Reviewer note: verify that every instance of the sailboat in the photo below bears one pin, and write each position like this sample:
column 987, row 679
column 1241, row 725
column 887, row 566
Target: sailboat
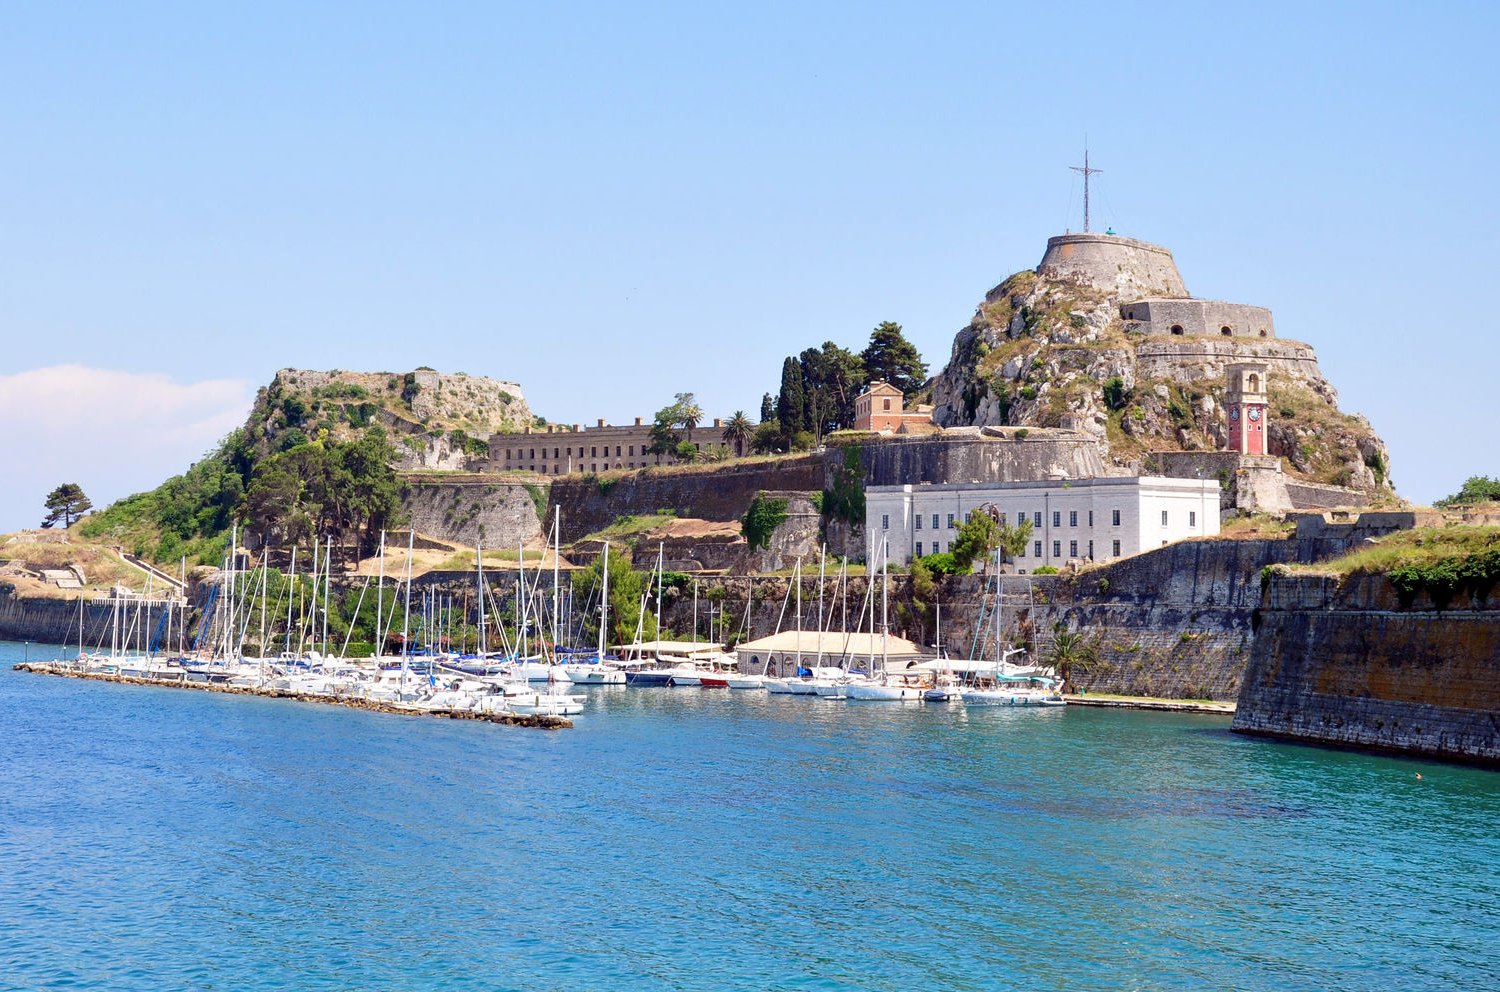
column 889, row 687
column 596, row 672
column 1012, row 684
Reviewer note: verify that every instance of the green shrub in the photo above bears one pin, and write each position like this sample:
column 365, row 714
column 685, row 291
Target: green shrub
column 762, row 519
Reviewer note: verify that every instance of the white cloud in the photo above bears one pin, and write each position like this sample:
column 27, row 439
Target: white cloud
column 112, row 432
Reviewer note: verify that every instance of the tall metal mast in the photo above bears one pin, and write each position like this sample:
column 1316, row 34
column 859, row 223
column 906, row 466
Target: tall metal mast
column 1084, row 168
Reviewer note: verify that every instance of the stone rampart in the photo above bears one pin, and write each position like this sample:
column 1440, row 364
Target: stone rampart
column 1185, row 360
column 1327, row 535
column 1197, row 318
column 1125, row 267
column 1344, row 663
column 721, row 492
column 55, row 621
column 971, row 455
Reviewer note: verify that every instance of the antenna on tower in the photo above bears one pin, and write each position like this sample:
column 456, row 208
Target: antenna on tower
column 1084, row 168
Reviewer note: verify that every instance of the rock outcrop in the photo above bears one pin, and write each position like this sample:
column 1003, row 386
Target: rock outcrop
column 1054, row 347
column 438, row 420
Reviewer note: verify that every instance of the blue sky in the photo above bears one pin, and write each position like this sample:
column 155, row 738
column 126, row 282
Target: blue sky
column 611, row 204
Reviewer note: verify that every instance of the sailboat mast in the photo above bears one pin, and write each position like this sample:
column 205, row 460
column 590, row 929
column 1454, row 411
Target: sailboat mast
column 604, row 604
column 291, row 587
column 327, row 591
column 661, row 550
column 479, row 586
column 556, row 574
column 406, row 616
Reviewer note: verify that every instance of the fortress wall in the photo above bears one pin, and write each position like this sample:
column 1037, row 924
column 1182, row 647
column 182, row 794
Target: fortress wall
column 55, row 621
column 1344, row 663
column 895, row 461
column 1124, row 266
column 1205, row 358
column 719, row 492
column 1175, row 622
column 1198, row 317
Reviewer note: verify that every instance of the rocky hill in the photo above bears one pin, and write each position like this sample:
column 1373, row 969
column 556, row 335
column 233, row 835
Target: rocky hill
column 437, row 420
column 1053, row 347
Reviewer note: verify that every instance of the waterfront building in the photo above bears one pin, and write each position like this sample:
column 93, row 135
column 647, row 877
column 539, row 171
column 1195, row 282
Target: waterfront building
column 560, row 450
column 785, row 652
column 1097, row 519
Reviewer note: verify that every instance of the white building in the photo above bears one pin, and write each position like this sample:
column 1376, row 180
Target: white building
column 1084, row 519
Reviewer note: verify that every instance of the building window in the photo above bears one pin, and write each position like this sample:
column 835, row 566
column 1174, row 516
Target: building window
column 1164, row 518
column 594, row 451
column 951, row 525
column 1192, row 518
column 1036, row 549
column 1036, row 520
column 533, row 452
column 1176, row 328
column 1072, row 549
column 1115, row 518
column 1057, row 549
column 1057, row 518
column 617, row 451
column 1116, row 551
column 1225, row 330
column 1091, row 518
column 919, row 521
column 885, row 521
column 632, row 451
column 885, row 405
column 1091, row 551
column 570, row 452
column 919, row 549
column 934, row 521
column 507, row 454
column 1072, row 518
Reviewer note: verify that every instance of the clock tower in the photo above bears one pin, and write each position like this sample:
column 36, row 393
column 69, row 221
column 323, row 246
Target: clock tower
column 1245, row 398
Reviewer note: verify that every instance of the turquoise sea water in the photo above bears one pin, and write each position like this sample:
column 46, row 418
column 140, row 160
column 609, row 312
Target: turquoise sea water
column 697, row 839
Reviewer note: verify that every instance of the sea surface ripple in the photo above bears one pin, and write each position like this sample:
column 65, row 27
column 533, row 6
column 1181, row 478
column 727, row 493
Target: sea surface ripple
column 700, row 839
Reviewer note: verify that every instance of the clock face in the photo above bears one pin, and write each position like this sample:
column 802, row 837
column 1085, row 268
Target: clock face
column 1254, row 413
column 1234, row 413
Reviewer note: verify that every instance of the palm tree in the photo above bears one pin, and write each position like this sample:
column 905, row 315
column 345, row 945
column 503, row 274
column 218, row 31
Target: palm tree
column 738, row 432
column 1072, row 650
column 688, row 412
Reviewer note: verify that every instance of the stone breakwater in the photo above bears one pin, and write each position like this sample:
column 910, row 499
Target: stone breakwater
column 1347, row 663
column 541, row 722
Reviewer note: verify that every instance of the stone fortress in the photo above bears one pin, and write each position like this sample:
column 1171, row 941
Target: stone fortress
column 1197, row 377
column 1155, row 300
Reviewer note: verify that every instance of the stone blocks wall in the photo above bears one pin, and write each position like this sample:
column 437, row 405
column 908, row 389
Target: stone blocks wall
column 1345, row 663
column 1197, row 318
column 1186, row 360
column 1128, row 268
column 720, row 492
column 972, row 456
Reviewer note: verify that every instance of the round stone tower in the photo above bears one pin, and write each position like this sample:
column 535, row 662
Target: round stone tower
column 1125, row 268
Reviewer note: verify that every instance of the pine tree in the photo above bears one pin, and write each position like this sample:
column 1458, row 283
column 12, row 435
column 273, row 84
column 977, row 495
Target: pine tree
column 66, row 503
column 893, row 358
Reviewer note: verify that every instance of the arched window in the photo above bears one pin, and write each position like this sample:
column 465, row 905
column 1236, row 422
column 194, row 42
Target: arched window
column 1254, row 383
column 1262, row 332
column 1225, row 330
column 1177, row 329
